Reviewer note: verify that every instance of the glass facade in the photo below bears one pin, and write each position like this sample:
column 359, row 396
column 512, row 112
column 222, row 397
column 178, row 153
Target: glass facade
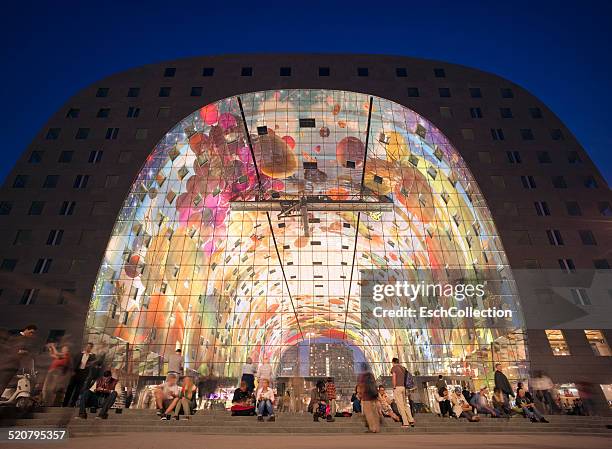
column 249, row 224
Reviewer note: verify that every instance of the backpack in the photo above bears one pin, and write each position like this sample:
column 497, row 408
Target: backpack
column 408, row 380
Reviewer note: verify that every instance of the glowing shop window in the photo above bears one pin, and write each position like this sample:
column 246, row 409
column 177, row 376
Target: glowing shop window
column 598, row 342
column 557, row 342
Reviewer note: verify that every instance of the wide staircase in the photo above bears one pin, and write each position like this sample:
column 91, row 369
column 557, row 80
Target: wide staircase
column 220, row 422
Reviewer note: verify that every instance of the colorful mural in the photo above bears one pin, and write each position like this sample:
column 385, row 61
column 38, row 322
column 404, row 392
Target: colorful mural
column 193, row 260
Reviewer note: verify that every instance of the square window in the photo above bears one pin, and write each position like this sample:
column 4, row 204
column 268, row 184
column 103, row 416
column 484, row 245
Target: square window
column 484, row 157
column 362, row 71
column 65, row 157
column 196, row 91
column 36, row 208
column 285, row 71
column 133, row 112
column 544, row 157
column 103, row 113
column 589, row 182
column 559, row 182
column 324, row 71
column 102, row 92
column 73, row 113
column 125, row 157
column 53, row 133
column 601, row 264
column 574, row 158
column 82, row 133
column 133, row 92
column 307, row 123
column 35, row 157
column 141, row 133
column 556, row 134
column 535, row 112
column 439, row 73
column 557, row 342
column 165, row 91
column 6, row 207
column 506, row 93
column 505, row 112
column 50, row 181
column 246, row 71
column 587, row 237
column 446, row 112
column 573, row 208
column 8, row 265
column 208, row 71
column 497, row 134
column 467, row 134
column 526, row 134
column 413, row 92
column 444, row 92
column 475, row 112
column 111, row 133
column 475, row 92
column 95, row 156
column 401, row 72
column 163, row 112
column 20, row 181
column 169, row 72
column 605, row 209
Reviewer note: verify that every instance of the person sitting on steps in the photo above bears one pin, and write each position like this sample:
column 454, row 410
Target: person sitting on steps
column 166, row 396
column 102, row 394
column 186, row 399
column 527, row 407
column 242, row 402
column 265, row 401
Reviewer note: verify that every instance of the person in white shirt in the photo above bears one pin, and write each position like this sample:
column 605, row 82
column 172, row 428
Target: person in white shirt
column 265, row 400
column 167, row 395
column 175, row 362
column 264, row 371
column 82, row 364
column 249, row 369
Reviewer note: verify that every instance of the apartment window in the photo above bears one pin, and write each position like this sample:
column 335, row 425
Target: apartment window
column 35, row 157
column 484, row 157
column 23, row 237
column 531, row 264
column 497, row 134
column 522, row 237
column 528, row 182
column 133, row 112
column 362, row 71
column 73, row 113
column 567, row 265
column 103, row 113
column 95, row 156
column 514, row 157
column 324, row 71
column 111, row 181
column 475, row 92
column 208, row 71
column 601, row 264
column 6, row 207
column 475, row 112
column 590, row 183
column 53, row 133
column 8, row 265
column 439, row 73
column 67, row 208
column 574, row 158
column 50, row 181
column 604, row 208
column 556, row 134
column 80, row 181
column 133, row 92
column 467, row 134
column 163, row 112
column 29, row 296
column 505, row 112
column 413, row 92
column 99, row 208
column 20, row 181
column 246, row 71
column 506, row 92
column 169, row 72
column 498, row 181
column 580, row 296
column 42, row 266
column 557, row 342
column 598, row 343
column 587, row 237
column 509, row 208
column 164, row 91
column 111, row 133
column 446, row 112
column 554, row 237
column 401, row 72
column 444, row 92
column 541, row 208
column 55, row 237
column 141, row 133
column 559, row 182
column 196, row 91
column 526, row 134
column 285, row 71
column 573, row 208
column 65, row 157
column 36, row 208
column 544, row 157
column 102, row 92
column 125, row 157
column 535, row 112
column 82, row 134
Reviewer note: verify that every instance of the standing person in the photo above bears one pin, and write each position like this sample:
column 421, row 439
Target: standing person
column 82, row 365
column 175, row 362
column 249, row 369
column 102, row 393
column 60, row 364
column 264, row 371
column 440, row 383
column 15, row 349
column 330, row 389
column 398, row 375
column 186, row 399
column 502, row 382
column 265, row 400
column 297, row 392
column 369, row 399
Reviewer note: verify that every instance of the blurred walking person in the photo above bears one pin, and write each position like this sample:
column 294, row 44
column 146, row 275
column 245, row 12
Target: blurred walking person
column 368, row 391
column 56, row 375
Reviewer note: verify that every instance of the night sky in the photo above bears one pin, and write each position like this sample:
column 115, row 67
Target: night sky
column 560, row 51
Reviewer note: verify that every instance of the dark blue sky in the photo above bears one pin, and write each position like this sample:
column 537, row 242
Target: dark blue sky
column 560, row 51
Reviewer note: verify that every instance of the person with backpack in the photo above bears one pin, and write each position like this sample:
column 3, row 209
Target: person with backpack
column 402, row 381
